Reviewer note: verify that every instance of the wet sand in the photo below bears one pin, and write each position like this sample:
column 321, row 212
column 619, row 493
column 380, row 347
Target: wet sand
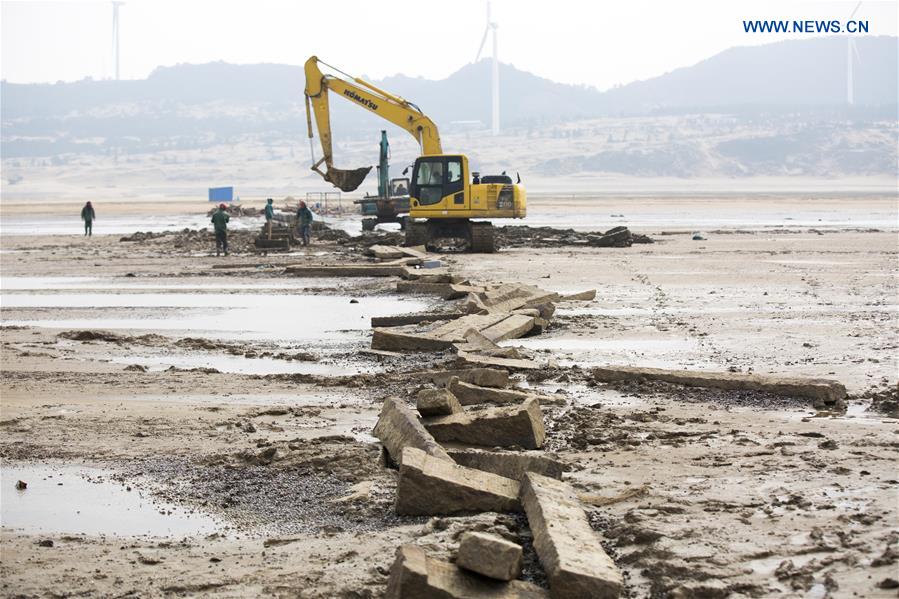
column 694, row 493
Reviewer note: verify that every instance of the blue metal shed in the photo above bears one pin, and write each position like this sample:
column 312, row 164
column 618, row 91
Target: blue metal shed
column 221, row 194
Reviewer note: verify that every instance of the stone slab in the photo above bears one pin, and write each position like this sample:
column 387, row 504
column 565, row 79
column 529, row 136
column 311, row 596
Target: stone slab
column 414, row 575
column 358, row 270
column 437, row 402
column 430, row 486
column 490, row 555
column 385, row 252
column 457, row 330
column 469, row 395
column 570, row 551
column 483, row 377
column 513, row 327
column 397, row 339
column 406, row 319
column 472, row 359
column 398, row 427
column 505, row 426
column 511, row 464
column 583, row 296
column 824, row 390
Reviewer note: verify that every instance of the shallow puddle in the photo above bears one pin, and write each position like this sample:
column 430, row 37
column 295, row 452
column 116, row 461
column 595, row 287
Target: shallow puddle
column 294, row 317
column 126, row 285
column 241, row 365
column 82, row 500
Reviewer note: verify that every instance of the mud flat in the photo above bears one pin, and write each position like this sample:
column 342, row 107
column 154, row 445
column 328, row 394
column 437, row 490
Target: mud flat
column 258, row 480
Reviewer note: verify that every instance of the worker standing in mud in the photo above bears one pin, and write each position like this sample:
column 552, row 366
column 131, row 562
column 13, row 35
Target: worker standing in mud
column 88, row 215
column 220, row 224
column 304, row 222
column 269, row 217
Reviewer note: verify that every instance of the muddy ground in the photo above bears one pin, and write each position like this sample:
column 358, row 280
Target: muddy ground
column 695, row 493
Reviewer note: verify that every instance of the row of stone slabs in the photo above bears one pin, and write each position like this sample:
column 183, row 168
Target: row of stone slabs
column 437, row 481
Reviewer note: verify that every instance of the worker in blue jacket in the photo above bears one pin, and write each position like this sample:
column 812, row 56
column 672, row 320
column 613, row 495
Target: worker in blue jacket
column 269, row 217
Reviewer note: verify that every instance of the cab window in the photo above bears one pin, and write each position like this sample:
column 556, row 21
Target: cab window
column 429, row 181
column 454, row 170
column 436, row 178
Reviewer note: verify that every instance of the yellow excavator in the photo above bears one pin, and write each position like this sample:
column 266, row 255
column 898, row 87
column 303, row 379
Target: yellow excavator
column 445, row 196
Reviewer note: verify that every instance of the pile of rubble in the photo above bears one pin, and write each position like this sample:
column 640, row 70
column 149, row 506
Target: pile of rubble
column 524, row 236
column 235, row 210
column 472, row 476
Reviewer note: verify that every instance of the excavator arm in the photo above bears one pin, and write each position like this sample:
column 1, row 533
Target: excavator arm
column 393, row 108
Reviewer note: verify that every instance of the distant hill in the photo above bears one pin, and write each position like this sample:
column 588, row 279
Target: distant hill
column 792, row 74
column 785, row 98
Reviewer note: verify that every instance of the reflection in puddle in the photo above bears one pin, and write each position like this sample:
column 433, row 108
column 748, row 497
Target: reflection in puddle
column 81, row 500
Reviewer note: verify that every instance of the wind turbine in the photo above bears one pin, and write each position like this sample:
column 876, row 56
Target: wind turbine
column 115, row 35
column 491, row 25
column 851, row 52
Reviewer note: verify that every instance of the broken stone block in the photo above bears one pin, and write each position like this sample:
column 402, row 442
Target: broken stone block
column 407, row 319
column 546, row 310
column 572, row 556
column 414, row 575
column 504, row 426
column 540, row 325
column 483, row 377
column 824, row 390
column 403, row 339
column 582, row 296
column 437, row 402
column 385, row 252
column 469, row 394
column 398, row 427
column 347, row 270
column 490, row 555
column 458, row 329
column 513, row 327
column 473, row 359
column 511, row 464
column 430, row 486
column 475, row 341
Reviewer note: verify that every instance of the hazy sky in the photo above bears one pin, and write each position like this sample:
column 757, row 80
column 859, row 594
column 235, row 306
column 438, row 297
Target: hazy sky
column 584, row 42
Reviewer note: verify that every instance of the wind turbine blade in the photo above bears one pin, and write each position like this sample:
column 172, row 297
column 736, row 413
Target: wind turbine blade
column 483, row 41
column 855, row 10
column 855, row 49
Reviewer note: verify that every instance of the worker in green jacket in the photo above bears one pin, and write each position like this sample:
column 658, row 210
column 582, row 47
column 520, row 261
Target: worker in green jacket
column 304, row 222
column 269, row 216
column 88, row 215
column 220, row 222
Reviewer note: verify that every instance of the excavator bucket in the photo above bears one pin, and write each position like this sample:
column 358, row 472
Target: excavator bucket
column 347, row 180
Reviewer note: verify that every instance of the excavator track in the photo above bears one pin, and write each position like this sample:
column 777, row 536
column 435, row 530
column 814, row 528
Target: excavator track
column 416, row 233
column 475, row 237
column 482, row 238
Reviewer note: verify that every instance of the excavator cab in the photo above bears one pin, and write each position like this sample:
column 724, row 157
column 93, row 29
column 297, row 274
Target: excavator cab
column 442, row 191
column 399, row 188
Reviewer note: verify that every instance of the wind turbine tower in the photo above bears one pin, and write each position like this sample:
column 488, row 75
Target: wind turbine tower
column 115, row 35
column 851, row 57
column 494, row 96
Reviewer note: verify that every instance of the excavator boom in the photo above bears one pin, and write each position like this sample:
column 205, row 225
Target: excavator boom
column 393, row 108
